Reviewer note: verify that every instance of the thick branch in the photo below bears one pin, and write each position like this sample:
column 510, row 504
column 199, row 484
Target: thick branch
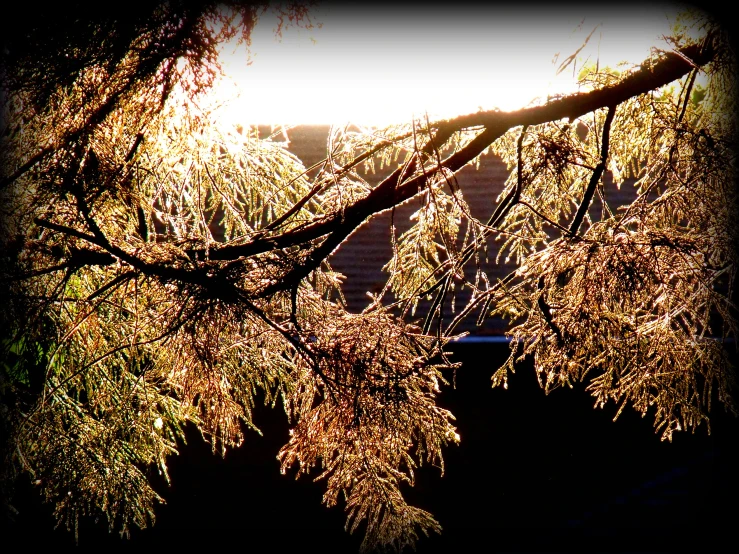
column 67, row 231
column 83, row 257
column 650, row 76
column 395, row 190
column 391, row 192
column 386, row 195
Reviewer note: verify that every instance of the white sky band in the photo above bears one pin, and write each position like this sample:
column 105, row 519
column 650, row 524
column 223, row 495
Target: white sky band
column 377, row 65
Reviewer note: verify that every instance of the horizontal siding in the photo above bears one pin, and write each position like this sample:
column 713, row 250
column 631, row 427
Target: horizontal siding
column 367, row 250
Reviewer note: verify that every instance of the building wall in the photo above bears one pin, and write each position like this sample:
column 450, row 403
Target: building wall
column 363, row 255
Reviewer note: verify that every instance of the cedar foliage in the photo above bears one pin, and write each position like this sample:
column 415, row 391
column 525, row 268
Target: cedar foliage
column 161, row 269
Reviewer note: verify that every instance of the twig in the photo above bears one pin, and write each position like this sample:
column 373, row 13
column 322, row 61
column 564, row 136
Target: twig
column 597, row 174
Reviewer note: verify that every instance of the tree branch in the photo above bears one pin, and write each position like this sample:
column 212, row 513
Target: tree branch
column 67, row 231
column 597, row 174
column 649, row 76
column 392, row 192
column 395, row 190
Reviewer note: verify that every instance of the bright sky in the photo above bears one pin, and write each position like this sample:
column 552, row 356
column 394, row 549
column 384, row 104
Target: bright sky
column 377, row 65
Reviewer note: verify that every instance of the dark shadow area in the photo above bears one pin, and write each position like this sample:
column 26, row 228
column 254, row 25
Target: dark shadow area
column 533, row 473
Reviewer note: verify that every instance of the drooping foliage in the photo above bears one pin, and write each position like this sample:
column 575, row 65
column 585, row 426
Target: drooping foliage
column 159, row 268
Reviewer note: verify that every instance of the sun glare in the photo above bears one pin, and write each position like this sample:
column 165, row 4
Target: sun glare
column 376, row 66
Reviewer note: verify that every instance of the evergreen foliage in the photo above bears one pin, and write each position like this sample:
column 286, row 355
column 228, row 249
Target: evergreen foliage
column 160, row 269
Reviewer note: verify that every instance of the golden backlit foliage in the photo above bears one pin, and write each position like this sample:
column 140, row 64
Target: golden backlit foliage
column 160, row 268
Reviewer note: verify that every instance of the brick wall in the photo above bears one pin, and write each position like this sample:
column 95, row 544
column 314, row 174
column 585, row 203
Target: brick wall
column 363, row 255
